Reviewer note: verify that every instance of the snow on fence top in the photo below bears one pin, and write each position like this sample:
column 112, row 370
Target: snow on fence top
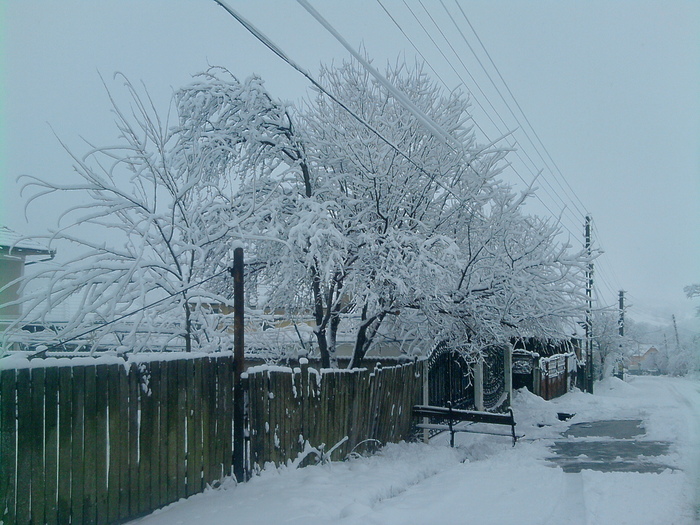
column 18, row 360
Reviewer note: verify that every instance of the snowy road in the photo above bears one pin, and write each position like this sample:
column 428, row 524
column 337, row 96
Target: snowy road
column 484, row 480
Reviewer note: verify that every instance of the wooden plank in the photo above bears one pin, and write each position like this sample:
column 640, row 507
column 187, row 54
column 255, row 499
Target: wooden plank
column 24, row 446
column 8, row 442
column 227, row 415
column 213, row 457
column 277, row 386
column 101, row 452
column 287, row 407
column 122, row 439
column 90, row 446
column 217, row 444
column 51, row 444
column 65, row 437
column 115, row 451
column 36, row 439
column 163, row 411
column 146, row 436
column 268, row 441
column 352, row 412
column 256, row 421
column 190, row 422
column 133, row 440
column 277, row 407
column 181, row 381
column 157, row 434
column 262, row 421
column 77, row 451
column 197, row 467
column 313, row 415
column 170, row 368
column 206, row 419
column 298, row 428
column 304, row 398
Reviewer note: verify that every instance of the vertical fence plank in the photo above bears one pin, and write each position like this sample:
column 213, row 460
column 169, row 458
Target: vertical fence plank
column 8, row 442
column 65, row 439
column 191, row 432
column 113, row 481
column 24, row 450
column 36, row 440
column 227, row 415
column 77, row 450
column 147, row 442
column 181, row 381
column 90, row 448
column 163, row 415
column 51, row 444
column 266, row 410
column 101, row 450
column 153, row 443
column 122, row 439
column 218, row 445
column 171, row 429
column 255, row 418
column 133, row 433
column 209, row 408
column 198, row 466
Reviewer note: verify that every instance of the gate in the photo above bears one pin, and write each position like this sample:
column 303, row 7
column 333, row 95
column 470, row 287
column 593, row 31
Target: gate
column 450, row 378
column 495, row 392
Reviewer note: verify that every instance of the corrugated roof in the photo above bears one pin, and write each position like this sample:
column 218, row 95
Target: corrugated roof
column 12, row 241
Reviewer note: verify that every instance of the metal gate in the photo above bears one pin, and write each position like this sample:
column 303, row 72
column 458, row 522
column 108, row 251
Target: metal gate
column 450, row 378
column 495, row 394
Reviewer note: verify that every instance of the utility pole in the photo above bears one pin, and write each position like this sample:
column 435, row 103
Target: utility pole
column 239, row 470
column 619, row 372
column 621, row 322
column 675, row 329
column 589, row 309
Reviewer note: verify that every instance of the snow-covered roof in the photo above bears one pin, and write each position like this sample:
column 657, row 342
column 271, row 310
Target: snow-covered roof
column 13, row 242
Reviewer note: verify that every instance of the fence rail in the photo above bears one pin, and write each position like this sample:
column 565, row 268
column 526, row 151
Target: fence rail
column 106, row 442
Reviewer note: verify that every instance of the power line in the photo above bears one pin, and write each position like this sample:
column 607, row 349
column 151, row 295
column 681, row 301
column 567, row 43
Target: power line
column 488, row 75
column 519, row 107
column 476, row 99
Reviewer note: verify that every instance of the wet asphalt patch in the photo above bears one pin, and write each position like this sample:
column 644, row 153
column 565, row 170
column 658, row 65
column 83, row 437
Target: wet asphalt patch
column 616, row 451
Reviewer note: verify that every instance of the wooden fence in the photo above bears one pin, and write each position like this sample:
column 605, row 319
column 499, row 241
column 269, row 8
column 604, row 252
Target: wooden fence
column 556, row 375
column 89, row 441
column 291, row 409
column 105, row 440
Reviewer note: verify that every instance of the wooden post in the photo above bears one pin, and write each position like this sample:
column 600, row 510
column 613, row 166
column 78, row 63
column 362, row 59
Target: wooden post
column 479, row 384
column 508, row 371
column 426, row 400
column 239, row 361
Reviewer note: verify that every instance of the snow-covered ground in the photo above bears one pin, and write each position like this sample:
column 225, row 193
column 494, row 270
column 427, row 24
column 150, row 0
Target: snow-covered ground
column 484, row 480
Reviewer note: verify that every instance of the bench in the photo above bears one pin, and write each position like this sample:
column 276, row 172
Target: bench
column 454, row 415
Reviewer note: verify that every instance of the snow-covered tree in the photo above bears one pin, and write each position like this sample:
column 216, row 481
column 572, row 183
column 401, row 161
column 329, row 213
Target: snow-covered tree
column 608, row 345
column 161, row 201
column 362, row 215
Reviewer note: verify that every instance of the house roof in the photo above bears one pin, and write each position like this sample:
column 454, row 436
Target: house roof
column 15, row 244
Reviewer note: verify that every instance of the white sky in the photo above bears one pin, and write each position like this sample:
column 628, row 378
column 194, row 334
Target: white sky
column 611, row 88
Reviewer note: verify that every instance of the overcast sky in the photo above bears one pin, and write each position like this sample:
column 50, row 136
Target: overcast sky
column 612, row 90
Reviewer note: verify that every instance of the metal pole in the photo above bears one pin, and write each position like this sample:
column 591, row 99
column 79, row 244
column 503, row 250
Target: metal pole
column 239, row 361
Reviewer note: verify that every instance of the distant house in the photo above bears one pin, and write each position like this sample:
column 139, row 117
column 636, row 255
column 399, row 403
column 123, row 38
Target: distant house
column 646, row 362
column 16, row 252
